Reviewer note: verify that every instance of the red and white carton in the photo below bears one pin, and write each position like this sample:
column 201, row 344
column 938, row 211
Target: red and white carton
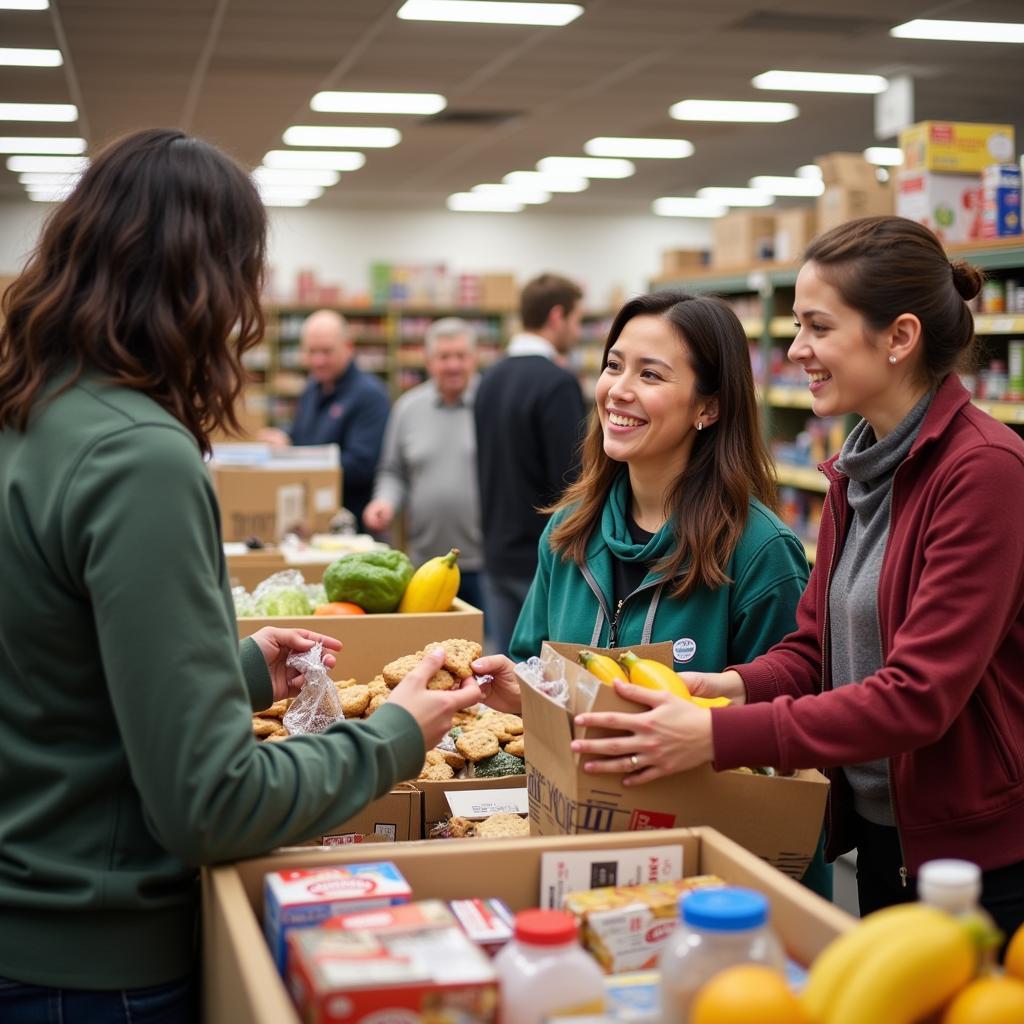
column 303, row 898
column 424, row 974
column 488, row 923
column 404, row 917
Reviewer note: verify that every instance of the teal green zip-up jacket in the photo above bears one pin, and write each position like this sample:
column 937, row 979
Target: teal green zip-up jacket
column 709, row 630
column 126, row 749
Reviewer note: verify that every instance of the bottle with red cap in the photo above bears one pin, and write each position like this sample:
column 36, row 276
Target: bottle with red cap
column 543, row 972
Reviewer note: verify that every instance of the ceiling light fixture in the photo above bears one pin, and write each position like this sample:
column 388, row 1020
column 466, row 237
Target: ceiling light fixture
column 732, row 110
column 324, row 159
column 293, row 176
column 38, row 112
column 378, row 102
column 587, row 166
column 529, row 196
column 490, row 12
column 687, row 206
column 16, row 57
column 298, row 192
column 360, row 138
column 547, row 182
column 778, row 185
column 809, row 171
column 660, row 149
column 884, row 156
column 54, row 178
column 817, row 81
column 736, row 196
column 24, row 5
column 475, row 202
column 960, row 31
column 283, row 201
column 24, row 144
column 51, row 164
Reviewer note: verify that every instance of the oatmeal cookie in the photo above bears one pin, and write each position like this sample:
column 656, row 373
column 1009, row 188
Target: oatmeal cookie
column 476, row 744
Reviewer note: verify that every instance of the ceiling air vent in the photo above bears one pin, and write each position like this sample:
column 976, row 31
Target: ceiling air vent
column 471, row 118
column 821, row 24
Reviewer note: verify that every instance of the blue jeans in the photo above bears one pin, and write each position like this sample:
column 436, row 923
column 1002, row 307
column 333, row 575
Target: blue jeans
column 505, row 596
column 174, row 1003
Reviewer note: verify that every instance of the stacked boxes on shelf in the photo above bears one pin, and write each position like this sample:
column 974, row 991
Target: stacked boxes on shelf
column 852, row 190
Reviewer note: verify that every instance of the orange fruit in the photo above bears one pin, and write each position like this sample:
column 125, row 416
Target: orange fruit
column 996, row 999
column 1014, row 962
column 338, row 608
column 744, row 994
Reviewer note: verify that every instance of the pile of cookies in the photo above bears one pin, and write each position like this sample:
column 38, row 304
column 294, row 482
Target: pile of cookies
column 481, row 743
column 497, row 826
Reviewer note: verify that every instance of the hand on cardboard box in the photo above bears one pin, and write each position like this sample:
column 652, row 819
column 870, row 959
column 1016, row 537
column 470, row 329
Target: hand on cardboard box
column 501, row 693
column 433, row 709
column 672, row 735
column 277, row 645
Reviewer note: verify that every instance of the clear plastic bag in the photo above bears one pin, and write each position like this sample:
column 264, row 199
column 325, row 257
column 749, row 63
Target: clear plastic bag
column 317, row 705
column 283, row 593
column 244, row 606
column 534, row 673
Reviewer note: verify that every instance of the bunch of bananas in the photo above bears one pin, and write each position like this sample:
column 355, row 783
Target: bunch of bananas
column 646, row 672
column 897, row 966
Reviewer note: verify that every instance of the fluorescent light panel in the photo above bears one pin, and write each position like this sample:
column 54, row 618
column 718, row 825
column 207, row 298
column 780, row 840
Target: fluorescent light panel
column 816, row 81
column 282, row 201
column 961, row 31
column 311, row 159
column 687, row 206
column 884, row 156
column 809, row 171
column 547, row 182
column 662, row 149
column 531, row 197
column 777, row 185
column 38, row 112
column 25, row 144
column 490, row 12
column 292, row 176
column 24, row 5
column 735, row 196
column 51, row 164
column 54, row 178
column 732, row 110
column 587, row 166
column 475, row 202
column 378, row 102
column 27, row 58
column 305, row 192
column 361, row 138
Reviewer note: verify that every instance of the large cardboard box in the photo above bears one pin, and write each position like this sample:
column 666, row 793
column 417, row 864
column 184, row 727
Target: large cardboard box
column 253, row 567
column 794, row 230
column 741, row 238
column 949, row 204
column 676, row 262
column 498, row 292
column 849, row 169
column 396, row 817
column 955, row 146
column 266, row 492
column 241, row 984
column 777, row 818
column 840, row 203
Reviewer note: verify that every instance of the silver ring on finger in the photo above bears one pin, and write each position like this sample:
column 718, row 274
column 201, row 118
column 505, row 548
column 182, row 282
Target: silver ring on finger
column 634, row 761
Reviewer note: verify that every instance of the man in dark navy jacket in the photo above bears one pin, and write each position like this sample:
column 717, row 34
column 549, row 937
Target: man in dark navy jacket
column 341, row 405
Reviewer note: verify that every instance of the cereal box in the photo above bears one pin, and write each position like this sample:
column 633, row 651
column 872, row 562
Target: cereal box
column 488, row 923
column 301, row 898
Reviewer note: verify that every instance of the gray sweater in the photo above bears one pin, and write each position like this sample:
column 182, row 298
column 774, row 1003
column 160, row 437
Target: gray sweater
column 853, row 595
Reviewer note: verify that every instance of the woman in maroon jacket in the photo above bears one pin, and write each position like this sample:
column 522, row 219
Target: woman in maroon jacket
column 905, row 676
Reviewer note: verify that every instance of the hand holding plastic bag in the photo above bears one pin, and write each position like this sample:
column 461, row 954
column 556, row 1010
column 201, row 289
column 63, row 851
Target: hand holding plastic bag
column 317, row 705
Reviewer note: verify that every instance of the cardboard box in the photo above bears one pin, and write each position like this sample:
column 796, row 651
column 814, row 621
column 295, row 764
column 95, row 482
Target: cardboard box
column 849, row 169
column 840, row 203
column 778, row 818
column 949, row 204
column 435, row 801
column 396, row 817
column 956, row 146
column 265, row 492
column 498, row 292
column 675, row 262
column 741, row 238
column 1000, row 201
column 239, row 980
column 794, row 230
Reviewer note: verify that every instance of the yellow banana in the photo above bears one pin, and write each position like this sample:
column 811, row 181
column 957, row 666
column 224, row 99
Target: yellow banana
column 710, row 702
column 603, row 668
column 834, row 966
column 433, row 585
column 652, row 674
column 912, row 974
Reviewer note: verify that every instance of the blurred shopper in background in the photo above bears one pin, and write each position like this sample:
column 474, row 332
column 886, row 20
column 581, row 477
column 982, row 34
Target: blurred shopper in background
column 529, row 420
column 341, row 405
column 428, row 467
column 128, row 750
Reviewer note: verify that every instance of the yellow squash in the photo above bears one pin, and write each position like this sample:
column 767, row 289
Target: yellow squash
column 603, row 668
column 652, row 674
column 433, row 586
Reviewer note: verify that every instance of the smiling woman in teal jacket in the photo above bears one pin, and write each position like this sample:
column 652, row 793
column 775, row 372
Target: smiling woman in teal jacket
column 669, row 533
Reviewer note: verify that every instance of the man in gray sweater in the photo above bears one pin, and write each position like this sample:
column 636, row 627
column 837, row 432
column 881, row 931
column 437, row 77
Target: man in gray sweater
column 428, row 465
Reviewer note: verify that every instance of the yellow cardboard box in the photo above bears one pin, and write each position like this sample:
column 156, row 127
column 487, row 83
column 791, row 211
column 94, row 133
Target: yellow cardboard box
column 962, row 147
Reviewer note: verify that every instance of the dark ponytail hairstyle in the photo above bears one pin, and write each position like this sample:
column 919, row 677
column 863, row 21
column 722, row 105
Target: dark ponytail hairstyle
column 885, row 266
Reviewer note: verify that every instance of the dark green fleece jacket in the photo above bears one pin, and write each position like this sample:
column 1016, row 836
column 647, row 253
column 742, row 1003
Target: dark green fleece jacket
column 126, row 749
column 709, row 630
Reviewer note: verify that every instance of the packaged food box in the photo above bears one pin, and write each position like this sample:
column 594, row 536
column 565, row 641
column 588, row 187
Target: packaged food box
column 425, row 973
column 487, row 922
column 399, row 918
column 302, row 898
column 624, row 927
column 956, row 146
column 1000, row 201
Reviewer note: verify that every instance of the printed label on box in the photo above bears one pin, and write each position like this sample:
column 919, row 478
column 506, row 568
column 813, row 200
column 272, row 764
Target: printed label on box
column 566, row 871
column 482, row 803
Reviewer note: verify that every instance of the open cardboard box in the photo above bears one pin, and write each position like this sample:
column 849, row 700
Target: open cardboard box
column 778, row 818
column 396, row 817
column 240, row 982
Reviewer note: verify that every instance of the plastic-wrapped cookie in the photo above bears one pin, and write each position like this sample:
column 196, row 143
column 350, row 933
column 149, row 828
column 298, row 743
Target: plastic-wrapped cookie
column 502, row 826
column 476, row 744
column 354, row 700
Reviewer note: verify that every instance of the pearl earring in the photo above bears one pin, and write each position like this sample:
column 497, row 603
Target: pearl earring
column 700, row 424
column 892, row 360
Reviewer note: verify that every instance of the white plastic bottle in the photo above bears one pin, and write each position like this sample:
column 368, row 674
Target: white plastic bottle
column 543, row 972
column 955, row 887
column 719, row 928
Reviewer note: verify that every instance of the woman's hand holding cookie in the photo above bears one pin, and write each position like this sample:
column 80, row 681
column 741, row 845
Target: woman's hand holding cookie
column 502, row 691
column 433, row 709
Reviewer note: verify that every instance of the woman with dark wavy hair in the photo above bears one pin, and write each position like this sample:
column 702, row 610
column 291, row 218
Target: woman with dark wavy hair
column 128, row 753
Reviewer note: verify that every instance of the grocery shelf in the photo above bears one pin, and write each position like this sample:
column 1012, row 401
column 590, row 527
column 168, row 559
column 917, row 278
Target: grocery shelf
column 806, row 477
column 783, row 327
column 998, row 323
column 1005, row 412
column 784, row 397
